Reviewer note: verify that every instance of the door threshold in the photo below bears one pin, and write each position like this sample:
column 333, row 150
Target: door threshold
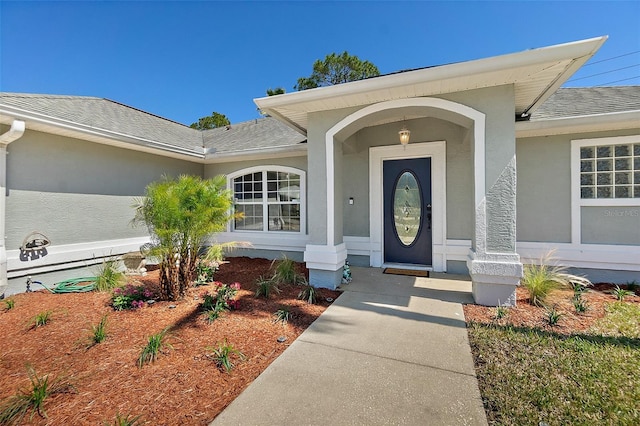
column 408, row 266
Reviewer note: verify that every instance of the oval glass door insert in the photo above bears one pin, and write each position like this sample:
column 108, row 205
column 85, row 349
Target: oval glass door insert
column 407, row 208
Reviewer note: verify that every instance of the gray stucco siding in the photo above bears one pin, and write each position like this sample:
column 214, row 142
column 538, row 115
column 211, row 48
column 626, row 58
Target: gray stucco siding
column 78, row 191
column 227, row 168
column 458, row 166
column 544, row 189
column 610, row 225
column 544, row 195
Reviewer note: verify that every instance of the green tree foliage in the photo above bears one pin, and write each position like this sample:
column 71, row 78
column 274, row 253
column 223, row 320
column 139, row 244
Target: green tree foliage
column 180, row 214
column 212, row 121
column 276, row 91
column 336, row 69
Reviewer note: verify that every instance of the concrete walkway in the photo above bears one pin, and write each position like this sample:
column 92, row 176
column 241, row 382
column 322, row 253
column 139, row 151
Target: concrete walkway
column 390, row 350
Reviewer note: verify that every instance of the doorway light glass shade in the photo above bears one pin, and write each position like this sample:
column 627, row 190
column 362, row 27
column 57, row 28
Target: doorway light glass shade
column 404, row 134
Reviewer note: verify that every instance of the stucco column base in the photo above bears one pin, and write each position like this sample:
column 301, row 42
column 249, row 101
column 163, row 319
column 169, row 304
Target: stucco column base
column 495, row 277
column 325, row 264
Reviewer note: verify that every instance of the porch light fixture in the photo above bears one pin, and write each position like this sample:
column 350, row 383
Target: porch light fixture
column 404, row 134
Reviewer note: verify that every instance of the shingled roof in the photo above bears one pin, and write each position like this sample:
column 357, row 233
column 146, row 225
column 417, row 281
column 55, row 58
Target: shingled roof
column 579, row 101
column 107, row 115
column 268, row 132
column 255, row 134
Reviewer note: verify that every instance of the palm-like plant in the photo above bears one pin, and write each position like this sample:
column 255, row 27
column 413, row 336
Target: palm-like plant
column 180, row 215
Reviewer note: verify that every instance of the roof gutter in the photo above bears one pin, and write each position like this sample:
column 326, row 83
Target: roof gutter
column 579, row 124
column 298, row 150
column 580, row 50
column 14, row 133
column 94, row 131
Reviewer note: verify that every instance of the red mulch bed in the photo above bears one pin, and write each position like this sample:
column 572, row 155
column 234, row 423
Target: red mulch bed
column 526, row 315
column 184, row 386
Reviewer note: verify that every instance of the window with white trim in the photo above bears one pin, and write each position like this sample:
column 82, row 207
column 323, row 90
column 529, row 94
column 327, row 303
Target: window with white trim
column 270, row 198
column 610, row 171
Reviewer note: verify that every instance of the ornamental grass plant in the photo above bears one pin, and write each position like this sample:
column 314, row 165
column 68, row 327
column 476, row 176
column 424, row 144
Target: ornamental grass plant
column 542, row 278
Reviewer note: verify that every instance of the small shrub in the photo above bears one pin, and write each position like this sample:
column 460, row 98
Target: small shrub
column 14, row 408
column 580, row 305
column 308, row 293
column 282, row 315
column 155, row 345
column 222, row 300
column 212, row 315
column 265, row 287
column 621, row 293
column 553, row 316
column 501, row 312
column 285, row 271
column 127, row 420
column 109, row 275
column 205, row 271
column 130, row 297
column 632, row 286
column 540, row 279
column 222, row 356
column 9, row 304
column 98, row 332
column 578, row 291
column 41, row 319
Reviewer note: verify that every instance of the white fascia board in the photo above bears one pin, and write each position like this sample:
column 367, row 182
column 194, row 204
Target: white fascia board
column 582, row 50
column 107, row 137
column 579, row 124
column 299, row 150
column 580, row 55
column 70, row 255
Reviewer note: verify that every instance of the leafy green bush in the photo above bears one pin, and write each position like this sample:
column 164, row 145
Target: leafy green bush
column 223, row 299
column 131, row 297
column 222, row 355
column 109, row 275
column 155, row 345
column 205, row 271
column 14, row 408
column 540, row 279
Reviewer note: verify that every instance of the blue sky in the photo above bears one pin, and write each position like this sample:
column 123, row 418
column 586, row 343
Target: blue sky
column 182, row 60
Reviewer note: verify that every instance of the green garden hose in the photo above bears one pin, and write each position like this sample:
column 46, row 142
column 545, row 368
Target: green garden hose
column 72, row 285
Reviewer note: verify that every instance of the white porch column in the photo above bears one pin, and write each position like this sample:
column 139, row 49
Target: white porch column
column 493, row 263
column 326, row 254
column 14, row 133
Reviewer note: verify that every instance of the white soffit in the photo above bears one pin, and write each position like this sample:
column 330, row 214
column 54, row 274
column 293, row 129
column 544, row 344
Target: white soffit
column 535, row 74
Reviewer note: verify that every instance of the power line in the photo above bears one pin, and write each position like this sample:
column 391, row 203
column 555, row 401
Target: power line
column 618, row 81
column 609, row 59
column 605, row 72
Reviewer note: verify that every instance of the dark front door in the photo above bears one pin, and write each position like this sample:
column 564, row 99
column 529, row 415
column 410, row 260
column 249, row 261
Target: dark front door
column 407, row 211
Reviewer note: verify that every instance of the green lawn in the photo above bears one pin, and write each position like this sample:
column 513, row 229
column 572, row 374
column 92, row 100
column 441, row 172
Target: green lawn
column 529, row 376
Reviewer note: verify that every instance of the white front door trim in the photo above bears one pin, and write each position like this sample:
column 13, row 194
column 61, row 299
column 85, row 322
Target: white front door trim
column 377, row 155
